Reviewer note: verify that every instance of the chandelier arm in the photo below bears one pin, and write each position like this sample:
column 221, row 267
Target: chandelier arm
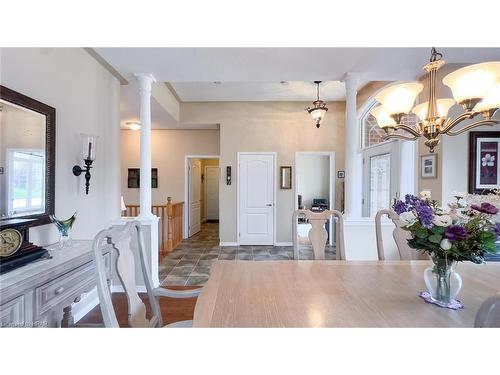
column 408, row 129
column 401, row 136
column 472, row 126
column 450, row 124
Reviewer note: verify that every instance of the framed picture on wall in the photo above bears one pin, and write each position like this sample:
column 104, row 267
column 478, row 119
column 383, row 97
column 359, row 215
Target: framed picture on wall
column 428, row 166
column 483, row 162
column 134, row 178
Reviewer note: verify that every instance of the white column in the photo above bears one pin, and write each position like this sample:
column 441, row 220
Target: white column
column 353, row 159
column 145, row 83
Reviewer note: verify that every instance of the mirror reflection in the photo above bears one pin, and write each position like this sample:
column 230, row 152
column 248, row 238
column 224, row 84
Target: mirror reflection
column 22, row 161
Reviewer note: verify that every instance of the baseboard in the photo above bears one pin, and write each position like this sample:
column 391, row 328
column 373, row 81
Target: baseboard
column 283, row 244
column 228, row 244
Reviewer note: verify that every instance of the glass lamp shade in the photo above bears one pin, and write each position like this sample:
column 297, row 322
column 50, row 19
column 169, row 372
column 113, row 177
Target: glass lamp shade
column 443, row 106
column 491, row 99
column 88, row 146
column 473, row 81
column 318, row 113
column 399, row 98
column 384, row 119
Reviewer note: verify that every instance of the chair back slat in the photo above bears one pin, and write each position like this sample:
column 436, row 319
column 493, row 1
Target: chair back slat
column 128, row 244
column 318, row 234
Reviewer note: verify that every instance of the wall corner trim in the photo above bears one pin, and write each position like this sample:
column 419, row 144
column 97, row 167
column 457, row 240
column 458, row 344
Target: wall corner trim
column 92, row 52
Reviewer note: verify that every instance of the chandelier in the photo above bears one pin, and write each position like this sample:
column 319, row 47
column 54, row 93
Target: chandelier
column 475, row 87
column 318, row 109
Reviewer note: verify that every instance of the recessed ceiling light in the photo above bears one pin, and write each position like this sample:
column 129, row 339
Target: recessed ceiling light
column 133, row 125
column 217, row 82
column 284, row 82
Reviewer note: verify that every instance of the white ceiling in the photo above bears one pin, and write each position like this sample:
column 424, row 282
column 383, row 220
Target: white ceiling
column 257, row 91
column 282, row 64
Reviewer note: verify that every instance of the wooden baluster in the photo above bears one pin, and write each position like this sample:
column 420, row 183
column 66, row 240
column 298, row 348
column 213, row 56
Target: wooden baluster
column 170, row 244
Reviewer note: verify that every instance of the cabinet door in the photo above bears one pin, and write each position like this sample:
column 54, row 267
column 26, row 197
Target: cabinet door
column 12, row 312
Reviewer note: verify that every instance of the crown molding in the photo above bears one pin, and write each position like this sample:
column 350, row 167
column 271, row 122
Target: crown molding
column 92, row 52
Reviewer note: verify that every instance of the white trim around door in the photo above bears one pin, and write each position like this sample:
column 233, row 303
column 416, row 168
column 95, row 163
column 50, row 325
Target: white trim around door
column 332, row 179
column 185, row 233
column 274, row 155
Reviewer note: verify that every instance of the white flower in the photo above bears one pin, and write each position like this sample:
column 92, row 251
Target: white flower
column 488, row 160
column 442, row 220
column 407, row 218
column 445, row 244
column 425, row 194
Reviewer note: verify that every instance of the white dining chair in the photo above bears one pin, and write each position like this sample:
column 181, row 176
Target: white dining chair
column 318, row 234
column 400, row 236
column 488, row 315
column 128, row 243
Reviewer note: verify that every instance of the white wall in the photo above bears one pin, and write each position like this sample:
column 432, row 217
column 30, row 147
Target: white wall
column 169, row 148
column 281, row 127
column 313, row 172
column 86, row 98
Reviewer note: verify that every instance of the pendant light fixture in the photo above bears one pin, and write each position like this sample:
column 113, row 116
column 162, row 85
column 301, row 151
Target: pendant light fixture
column 476, row 88
column 318, row 109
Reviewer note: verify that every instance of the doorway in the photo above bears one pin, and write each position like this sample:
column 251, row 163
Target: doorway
column 315, row 185
column 201, row 190
column 256, row 199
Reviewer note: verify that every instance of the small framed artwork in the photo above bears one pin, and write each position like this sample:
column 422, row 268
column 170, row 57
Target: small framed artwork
column 340, row 174
column 483, row 162
column 285, row 177
column 134, row 178
column 428, row 166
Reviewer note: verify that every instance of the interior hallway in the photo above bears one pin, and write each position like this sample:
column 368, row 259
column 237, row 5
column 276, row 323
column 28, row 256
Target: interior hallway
column 190, row 262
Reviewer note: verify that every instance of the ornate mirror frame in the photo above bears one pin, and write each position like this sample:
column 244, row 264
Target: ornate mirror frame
column 49, row 112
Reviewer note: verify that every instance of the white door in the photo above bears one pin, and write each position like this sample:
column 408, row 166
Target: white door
column 212, row 192
column 194, row 196
column 256, row 199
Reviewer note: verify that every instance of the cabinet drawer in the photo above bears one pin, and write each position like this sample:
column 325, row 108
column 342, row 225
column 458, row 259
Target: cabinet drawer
column 64, row 289
column 12, row 312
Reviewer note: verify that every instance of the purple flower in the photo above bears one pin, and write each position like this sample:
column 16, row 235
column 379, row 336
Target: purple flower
column 424, row 213
column 456, row 233
column 400, row 207
column 496, row 229
column 485, row 207
column 411, row 200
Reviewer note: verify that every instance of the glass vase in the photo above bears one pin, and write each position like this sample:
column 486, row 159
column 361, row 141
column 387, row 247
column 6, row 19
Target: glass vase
column 64, row 228
column 442, row 282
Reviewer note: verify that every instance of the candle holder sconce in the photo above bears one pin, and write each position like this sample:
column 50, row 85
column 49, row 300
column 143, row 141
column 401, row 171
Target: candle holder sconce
column 88, row 151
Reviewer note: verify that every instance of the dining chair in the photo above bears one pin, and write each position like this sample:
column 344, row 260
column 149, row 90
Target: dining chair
column 127, row 241
column 400, row 236
column 318, row 234
column 488, row 315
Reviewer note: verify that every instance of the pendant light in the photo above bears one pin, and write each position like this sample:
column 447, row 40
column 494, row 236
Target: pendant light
column 318, row 109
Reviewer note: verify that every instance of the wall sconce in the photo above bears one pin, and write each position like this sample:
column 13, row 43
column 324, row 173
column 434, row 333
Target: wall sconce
column 88, row 152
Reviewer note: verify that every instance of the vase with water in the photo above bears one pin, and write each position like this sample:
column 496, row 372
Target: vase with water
column 441, row 280
column 64, row 228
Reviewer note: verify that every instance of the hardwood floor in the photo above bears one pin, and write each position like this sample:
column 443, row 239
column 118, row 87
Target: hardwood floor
column 172, row 309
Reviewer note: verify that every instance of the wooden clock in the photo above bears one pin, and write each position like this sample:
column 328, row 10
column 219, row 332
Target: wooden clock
column 15, row 248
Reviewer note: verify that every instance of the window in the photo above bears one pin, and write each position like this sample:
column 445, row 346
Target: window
column 380, row 183
column 26, row 188
column 372, row 133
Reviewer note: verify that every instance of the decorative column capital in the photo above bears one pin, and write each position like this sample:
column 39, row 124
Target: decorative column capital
column 145, row 81
column 351, row 81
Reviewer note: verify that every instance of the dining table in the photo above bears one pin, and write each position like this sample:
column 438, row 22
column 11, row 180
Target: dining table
column 322, row 293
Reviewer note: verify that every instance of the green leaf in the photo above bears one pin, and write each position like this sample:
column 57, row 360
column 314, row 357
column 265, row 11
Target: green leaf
column 421, row 233
column 437, row 230
column 435, row 238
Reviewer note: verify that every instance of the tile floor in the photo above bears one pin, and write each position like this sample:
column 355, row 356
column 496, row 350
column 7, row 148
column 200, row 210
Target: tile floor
column 190, row 262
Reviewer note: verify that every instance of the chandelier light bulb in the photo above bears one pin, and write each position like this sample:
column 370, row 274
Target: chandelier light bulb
column 399, row 98
column 491, row 99
column 384, row 119
column 443, row 107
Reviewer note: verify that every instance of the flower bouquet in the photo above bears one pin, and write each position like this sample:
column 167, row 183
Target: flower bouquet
column 449, row 235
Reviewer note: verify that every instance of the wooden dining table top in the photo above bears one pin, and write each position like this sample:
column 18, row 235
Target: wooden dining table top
column 335, row 294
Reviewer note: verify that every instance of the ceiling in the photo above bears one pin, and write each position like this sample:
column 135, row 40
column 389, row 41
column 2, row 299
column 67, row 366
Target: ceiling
column 257, row 91
column 254, row 74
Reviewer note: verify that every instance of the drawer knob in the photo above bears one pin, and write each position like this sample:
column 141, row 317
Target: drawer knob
column 59, row 290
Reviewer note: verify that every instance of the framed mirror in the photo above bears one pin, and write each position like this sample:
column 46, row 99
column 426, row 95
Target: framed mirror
column 285, row 177
column 27, row 158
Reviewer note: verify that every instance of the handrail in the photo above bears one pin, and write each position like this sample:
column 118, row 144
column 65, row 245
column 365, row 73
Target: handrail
column 170, row 230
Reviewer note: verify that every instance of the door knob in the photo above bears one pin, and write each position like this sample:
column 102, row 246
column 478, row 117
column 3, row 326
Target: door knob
column 269, row 204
